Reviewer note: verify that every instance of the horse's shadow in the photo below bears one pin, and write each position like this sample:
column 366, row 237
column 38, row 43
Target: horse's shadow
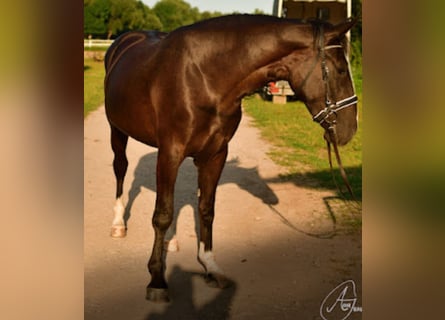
column 247, row 179
column 184, row 306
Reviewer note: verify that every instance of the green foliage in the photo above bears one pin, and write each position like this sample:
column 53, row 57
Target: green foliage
column 110, row 18
column 356, row 42
column 175, row 13
column 96, row 15
column 146, row 19
column 356, row 32
column 113, row 17
column 356, row 63
column 207, row 15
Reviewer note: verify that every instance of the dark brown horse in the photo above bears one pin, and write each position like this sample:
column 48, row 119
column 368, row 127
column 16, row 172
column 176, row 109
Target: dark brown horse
column 181, row 92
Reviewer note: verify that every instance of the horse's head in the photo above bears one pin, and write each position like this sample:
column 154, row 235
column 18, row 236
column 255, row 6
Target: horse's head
column 323, row 81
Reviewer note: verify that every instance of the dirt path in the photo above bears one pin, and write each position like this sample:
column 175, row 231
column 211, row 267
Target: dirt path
column 278, row 271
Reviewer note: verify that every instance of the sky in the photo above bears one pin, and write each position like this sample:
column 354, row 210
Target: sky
column 226, row 6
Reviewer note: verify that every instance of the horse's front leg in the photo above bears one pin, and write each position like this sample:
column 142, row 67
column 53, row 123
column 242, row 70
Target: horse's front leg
column 209, row 172
column 166, row 172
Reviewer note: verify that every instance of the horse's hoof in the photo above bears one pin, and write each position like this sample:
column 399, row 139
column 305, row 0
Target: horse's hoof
column 216, row 280
column 171, row 245
column 157, row 295
column 118, row 232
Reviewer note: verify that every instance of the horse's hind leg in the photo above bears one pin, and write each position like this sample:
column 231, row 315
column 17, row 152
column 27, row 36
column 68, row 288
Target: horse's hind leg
column 209, row 173
column 120, row 163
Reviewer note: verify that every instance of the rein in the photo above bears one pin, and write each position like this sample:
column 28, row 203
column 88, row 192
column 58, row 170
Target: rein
column 331, row 108
column 333, row 136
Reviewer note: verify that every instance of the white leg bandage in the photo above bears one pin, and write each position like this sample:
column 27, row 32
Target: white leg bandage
column 208, row 259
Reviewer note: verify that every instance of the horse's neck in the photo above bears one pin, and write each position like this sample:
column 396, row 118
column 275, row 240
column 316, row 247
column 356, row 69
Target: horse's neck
column 271, row 55
column 248, row 50
column 273, row 44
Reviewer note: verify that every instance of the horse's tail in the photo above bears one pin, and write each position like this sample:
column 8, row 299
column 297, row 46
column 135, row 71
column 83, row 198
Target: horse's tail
column 125, row 42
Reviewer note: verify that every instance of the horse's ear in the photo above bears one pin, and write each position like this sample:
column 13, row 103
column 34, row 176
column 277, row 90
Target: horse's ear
column 343, row 27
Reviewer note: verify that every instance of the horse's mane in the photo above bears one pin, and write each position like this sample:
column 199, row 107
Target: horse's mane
column 240, row 20
column 318, row 25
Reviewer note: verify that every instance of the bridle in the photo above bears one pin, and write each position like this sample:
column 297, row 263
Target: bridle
column 331, row 108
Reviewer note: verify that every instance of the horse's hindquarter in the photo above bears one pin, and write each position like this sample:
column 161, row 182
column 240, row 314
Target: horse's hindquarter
column 127, row 92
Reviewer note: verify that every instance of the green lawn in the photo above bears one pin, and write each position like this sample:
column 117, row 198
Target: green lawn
column 94, row 73
column 97, row 48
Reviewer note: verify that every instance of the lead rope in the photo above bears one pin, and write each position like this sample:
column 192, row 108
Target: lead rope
column 285, row 221
column 333, row 136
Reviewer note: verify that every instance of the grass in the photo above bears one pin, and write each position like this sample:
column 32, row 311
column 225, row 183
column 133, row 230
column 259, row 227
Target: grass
column 96, row 48
column 298, row 144
column 94, row 73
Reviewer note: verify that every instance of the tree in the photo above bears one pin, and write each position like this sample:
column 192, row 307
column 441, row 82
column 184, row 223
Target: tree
column 207, row 15
column 121, row 12
column 175, row 13
column 150, row 20
column 142, row 18
column 96, row 13
column 112, row 17
column 356, row 32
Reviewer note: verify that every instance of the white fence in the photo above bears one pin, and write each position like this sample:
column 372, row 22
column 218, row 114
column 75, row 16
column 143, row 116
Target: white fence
column 90, row 43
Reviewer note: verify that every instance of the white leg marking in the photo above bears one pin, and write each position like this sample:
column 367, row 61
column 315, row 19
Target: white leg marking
column 119, row 211
column 118, row 226
column 208, row 259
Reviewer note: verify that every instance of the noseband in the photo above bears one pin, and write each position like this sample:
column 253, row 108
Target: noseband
column 330, row 106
